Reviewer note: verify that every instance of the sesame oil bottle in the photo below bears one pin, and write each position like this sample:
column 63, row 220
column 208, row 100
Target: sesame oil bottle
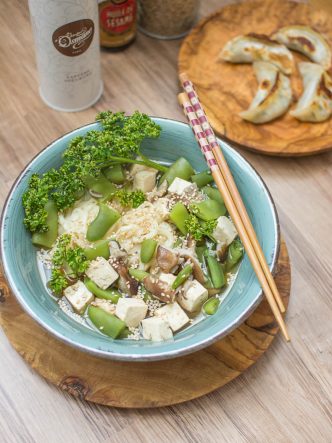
column 117, row 21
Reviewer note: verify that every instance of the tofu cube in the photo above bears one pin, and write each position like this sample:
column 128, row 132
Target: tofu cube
column 225, row 232
column 167, row 278
column 131, row 311
column 102, row 273
column 193, row 296
column 179, row 186
column 174, row 315
column 145, row 180
column 78, row 296
column 156, row 329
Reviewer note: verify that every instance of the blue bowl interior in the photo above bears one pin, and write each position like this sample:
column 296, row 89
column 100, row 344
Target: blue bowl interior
column 20, row 264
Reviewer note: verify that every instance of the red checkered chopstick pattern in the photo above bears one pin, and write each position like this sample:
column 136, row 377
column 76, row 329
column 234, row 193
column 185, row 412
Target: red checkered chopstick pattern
column 200, row 135
column 202, row 118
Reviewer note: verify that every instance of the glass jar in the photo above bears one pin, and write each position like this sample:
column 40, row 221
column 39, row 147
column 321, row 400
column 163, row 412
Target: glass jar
column 167, row 19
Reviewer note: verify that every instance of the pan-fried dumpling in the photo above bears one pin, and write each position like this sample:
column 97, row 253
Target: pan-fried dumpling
column 305, row 40
column 315, row 103
column 253, row 47
column 273, row 96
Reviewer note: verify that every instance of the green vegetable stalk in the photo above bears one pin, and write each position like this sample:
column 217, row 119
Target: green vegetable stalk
column 106, row 323
column 180, row 168
column 99, row 249
column 46, row 239
column 202, row 178
column 138, row 274
column 107, row 294
column 208, row 209
column 182, row 276
column 215, row 271
column 213, row 194
column 100, row 185
column 234, row 254
column 100, row 225
column 178, row 215
column 115, row 174
column 148, row 248
column 211, row 306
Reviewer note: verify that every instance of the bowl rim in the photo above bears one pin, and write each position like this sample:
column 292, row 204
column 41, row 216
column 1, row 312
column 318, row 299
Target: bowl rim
column 135, row 357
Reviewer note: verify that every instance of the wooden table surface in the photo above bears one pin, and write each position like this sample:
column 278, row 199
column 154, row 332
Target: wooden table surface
column 286, row 396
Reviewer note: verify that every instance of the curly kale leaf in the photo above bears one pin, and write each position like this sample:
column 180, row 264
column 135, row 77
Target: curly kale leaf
column 119, row 141
column 198, row 229
column 130, row 198
column 66, row 256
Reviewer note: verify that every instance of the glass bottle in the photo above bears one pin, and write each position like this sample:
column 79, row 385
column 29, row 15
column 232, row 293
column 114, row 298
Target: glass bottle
column 117, row 21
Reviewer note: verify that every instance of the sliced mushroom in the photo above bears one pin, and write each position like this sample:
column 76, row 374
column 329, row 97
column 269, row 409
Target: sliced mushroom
column 166, row 259
column 191, row 243
column 159, row 289
column 221, row 250
column 116, row 251
column 126, row 283
column 157, row 192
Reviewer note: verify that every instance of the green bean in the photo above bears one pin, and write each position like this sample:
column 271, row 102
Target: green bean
column 200, row 251
column 100, row 185
column 100, row 225
column 138, row 274
column 148, row 248
column 178, row 216
column 47, row 239
column 181, row 168
column 209, row 209
column 215, row 271
column 213, row 193
column 106, row 294
column 211, row 306
column 100, row 249
column 202, row 178
column 182, row 276
column 107, row 323
column 115, row 174
column 234, row 254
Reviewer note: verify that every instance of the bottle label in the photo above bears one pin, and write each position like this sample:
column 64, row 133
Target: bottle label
column 118, row 16
column 74, row 38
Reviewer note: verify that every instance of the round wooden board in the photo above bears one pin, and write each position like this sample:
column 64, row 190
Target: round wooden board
column 143, row 385
column 225, row 89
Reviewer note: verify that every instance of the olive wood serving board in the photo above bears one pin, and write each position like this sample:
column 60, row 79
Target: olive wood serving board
column 143, row 385
column 225, row 89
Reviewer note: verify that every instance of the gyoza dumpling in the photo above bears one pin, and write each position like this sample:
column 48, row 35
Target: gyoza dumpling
column 315, row 104
column 252, row 47
column 273, row 96
column 305, row 40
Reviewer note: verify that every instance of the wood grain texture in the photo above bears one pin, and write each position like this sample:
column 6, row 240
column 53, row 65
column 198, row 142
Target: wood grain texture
column 160, row 383
column 286, row 396
column 226, row 89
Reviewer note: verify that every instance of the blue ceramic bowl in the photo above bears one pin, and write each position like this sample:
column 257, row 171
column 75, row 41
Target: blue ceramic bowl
column 20, row 264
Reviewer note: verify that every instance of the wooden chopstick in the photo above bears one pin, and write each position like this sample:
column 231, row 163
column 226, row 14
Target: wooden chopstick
column 231, row 207
column 202, row 118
